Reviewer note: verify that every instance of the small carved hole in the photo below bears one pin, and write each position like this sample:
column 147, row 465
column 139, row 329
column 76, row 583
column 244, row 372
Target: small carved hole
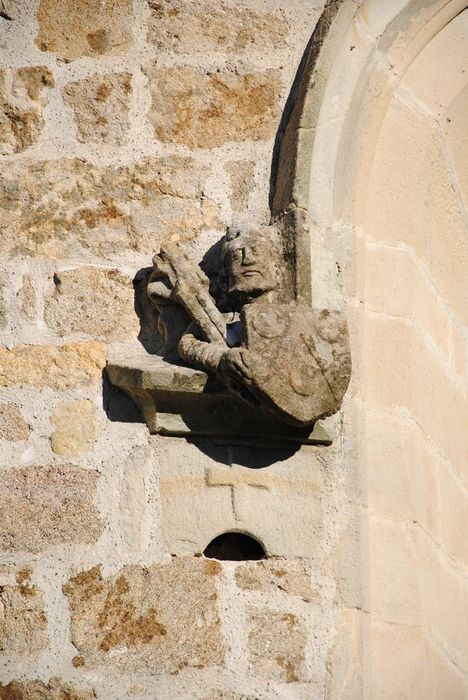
column 234, row 546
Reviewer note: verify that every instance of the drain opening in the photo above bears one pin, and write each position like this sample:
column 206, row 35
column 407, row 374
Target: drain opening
column 234, row 546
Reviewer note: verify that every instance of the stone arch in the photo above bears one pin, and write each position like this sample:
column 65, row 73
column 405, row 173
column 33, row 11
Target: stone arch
column 371, row 155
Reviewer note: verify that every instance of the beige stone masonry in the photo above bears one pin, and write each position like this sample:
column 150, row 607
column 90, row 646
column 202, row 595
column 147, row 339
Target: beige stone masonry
column 57, row 366
column 21, row 106
column 55, row 689
column 162, row 619
column 74, row 428
column 45, row 506
column 100, row 104
column 23, row 624
column 91, row 301
column 12, row 424
column 188, row 26
column 201, row 109
column 69, row 207
column 87, row 28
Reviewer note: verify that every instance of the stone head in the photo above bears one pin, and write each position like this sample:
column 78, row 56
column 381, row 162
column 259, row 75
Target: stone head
column 250, row 262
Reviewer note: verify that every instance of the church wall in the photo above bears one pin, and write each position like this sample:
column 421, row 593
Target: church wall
column 123, row 125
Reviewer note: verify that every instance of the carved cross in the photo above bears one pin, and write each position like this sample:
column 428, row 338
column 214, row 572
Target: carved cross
column 239, row 479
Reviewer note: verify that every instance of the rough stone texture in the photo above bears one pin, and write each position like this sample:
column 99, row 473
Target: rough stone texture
column 50, row 505
column 74, row 428
column 3, row 306
column 12, row 424
column 188, row 26
column 100, row 104
column 56, row 689
column 276, row 644
column 202, row 109
column 228, row 695
column 163, row 618
column 275, row 574
column 55, row 366
column 242, row 182
column 64, row 207
column 21, row 102
column 94, row 302
column 23, row 624
column 86, row 28
column 27, row 298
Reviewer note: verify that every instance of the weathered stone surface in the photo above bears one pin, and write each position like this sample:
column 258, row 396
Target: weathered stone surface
column 188, row 26
column 100, row 104
column 275, row 574
column 228, row 695
column 86, row 28
column 44, row 506
column 163, row 618
column 74, row 428
column 12, row 424
column 21, row 102
column 54, row 366
column 68, row 207
column 205, row 110
column 92, row 301
column 276, row 644
column 56, row 689
column 242, row 181
column 23, row 624
column 3, row 306
column 27, row 299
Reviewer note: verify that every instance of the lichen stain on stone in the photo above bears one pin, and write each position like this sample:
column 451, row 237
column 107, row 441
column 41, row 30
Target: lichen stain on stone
column 85, row 585
column 289, row 669
column 124, row 627
column 212, row 567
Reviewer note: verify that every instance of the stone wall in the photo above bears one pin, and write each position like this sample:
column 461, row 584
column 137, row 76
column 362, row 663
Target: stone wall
column 123, row 124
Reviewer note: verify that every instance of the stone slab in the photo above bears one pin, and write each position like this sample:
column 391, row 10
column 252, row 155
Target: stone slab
column 183, row 402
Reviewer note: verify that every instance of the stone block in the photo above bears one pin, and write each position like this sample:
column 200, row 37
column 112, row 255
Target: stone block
column 402, row 371
column 69, row 207
column 12, row 424
column 92, row 301
column 45, row 506
column 395, row 285
column 242, row 182
column 55, row 689
column 159, row 619
column 241, row 497
column 23, row 624
column 290, row 576
column 100, row 104
column 22, row 98
column 75, row 428
column 393, row 572
column 199, row 109
column 85, row 28
column 443, row 592
column 403, row 470
column 418, row 207
column 276, row 646
column 456, row 138
column 53, row 366
column 192, row 26
column 3, row 306
column 345, row 662
column 27, row 299
column 406, row 664
column 453, row 512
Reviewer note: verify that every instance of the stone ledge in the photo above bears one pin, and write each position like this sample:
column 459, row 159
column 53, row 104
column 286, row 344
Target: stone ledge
column 182, row 402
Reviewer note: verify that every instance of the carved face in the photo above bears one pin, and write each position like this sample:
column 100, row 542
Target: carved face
column 250, row 261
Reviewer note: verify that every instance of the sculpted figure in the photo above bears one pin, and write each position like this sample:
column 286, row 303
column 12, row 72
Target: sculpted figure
column 289, row 360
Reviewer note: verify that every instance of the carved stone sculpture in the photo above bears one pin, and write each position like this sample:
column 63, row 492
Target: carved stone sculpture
column 275, row 354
